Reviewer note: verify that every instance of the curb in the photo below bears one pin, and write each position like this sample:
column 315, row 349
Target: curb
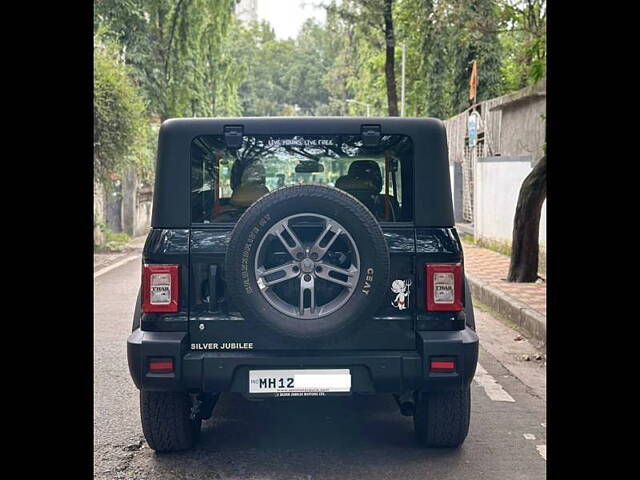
column 533, row 322
column 134, row 246
column 113, row 265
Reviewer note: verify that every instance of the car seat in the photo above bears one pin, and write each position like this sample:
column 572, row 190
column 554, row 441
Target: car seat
column 364, row 181
column 252, row 185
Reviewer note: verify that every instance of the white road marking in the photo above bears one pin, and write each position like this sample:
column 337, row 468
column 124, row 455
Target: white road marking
column 542, row 450
column 529, row 436
column 115, row 265
column 544, row 425
column 493, row 389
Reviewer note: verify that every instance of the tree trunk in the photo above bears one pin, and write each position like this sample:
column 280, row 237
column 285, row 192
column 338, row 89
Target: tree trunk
column 390, row 61
column 526, row 225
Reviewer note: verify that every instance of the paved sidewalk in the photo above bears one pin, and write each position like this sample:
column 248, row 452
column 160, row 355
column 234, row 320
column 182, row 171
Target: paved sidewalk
column 522, row 303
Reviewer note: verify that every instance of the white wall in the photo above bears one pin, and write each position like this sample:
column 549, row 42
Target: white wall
column 496, row 187
column 451, row 173
column 98, row 213
column 143, row 218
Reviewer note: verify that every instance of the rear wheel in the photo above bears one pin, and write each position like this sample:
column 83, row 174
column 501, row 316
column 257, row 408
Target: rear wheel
column 441, row 419
column 167, row 422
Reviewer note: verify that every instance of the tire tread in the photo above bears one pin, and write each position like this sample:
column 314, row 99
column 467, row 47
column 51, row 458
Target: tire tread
column 165, row 421
column 442, row 418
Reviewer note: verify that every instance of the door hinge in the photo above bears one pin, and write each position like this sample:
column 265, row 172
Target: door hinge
column 233, row 135
column 370, row 135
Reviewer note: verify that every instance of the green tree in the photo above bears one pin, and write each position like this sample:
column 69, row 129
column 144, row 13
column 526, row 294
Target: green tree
column 444, row 38
column 337, row 78
column 280, row 77
column 174, row 47
column 305, row 75
column 475, row 38
column 523, row 39
column 194, row 58
column 374, row 19
column 120, row 130
column 426, row 28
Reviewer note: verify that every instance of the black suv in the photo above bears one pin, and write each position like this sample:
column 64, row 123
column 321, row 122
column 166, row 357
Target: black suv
column 294, row 257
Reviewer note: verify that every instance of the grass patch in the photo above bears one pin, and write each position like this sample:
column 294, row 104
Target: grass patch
column 114, row 242
column 465, row 237
column 501, row 247
column 498, row 316
column 537, row 344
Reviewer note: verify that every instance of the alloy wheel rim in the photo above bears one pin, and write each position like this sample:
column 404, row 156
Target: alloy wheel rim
column 308, row 264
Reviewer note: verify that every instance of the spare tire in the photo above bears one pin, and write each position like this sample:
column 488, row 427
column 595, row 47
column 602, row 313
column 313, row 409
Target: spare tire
column 308, row 261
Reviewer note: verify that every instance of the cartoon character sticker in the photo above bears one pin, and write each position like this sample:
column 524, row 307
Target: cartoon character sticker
column 401, row 289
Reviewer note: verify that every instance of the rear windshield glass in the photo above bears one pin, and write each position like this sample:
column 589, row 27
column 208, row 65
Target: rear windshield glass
column 225, row 181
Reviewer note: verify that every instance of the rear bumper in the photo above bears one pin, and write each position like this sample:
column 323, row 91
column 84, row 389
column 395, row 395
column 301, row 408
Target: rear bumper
column 371, row 371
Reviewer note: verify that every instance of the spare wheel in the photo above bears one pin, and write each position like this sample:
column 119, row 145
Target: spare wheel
column 307, row 261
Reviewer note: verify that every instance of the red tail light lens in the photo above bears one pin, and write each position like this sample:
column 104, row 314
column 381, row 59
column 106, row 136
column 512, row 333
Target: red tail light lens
column 160, row 288
column 443, row 365
column 443, row 287
column 161, row 365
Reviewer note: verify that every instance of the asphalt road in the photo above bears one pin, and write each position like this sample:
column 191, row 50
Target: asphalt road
column 314, row 438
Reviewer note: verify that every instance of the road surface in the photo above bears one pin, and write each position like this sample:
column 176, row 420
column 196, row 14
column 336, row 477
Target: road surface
column 317, row 438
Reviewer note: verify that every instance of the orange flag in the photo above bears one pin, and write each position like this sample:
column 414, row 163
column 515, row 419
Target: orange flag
column 473, row 82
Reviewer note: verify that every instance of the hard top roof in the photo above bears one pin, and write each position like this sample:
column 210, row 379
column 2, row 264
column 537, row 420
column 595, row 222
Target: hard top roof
column 431, row 165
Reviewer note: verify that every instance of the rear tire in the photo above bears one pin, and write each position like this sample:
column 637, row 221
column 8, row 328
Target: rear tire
column 166, row 421
column 441, row 419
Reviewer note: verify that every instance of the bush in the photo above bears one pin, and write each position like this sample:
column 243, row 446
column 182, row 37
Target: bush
column 120, row 127
column 113, row 243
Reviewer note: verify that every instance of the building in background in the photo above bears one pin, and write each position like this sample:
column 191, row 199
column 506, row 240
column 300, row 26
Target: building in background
column 486, row 177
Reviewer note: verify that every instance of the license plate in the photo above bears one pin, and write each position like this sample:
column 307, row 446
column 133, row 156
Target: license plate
column 299, row 382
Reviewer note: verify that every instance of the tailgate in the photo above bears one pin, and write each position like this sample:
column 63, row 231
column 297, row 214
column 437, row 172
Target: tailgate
column 215, row 324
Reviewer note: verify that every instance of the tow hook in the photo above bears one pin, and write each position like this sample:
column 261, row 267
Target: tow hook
column 196, row 403
column 406, row 403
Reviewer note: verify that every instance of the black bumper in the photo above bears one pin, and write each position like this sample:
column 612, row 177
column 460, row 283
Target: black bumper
column 371, row 371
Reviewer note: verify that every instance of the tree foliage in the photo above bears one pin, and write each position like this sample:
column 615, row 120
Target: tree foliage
column 426, row 28
column 476, row 39
column 524, row 42
column 194, row 58
column 443, row 39
column 375, row 30
column 156, row 59
column 177, row 58
column 175, row 48
column 119, row 127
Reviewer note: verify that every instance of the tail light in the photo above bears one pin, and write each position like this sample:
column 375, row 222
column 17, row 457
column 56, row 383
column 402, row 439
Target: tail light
column 160, row 365
column 160, row 288
column 443, row 287
column 443, row 365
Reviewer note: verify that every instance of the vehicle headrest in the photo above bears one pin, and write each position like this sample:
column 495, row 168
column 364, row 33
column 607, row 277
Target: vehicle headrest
column 247, row 193
column 367, row 170
column 350, row 184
